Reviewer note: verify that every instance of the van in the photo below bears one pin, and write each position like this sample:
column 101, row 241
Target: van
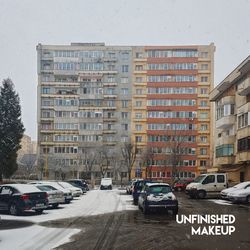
column 106, row 183
column 207, row 185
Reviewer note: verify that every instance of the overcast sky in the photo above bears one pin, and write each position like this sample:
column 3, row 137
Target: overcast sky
column 25, row 23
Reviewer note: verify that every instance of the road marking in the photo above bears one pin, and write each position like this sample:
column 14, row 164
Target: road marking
column 221, row 202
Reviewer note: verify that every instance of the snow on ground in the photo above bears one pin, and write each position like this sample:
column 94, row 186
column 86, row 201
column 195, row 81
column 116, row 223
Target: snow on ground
column 94, row 202
column 221, row 202
column 35, row 238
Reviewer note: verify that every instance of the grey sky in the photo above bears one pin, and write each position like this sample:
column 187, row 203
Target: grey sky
column 24, row 24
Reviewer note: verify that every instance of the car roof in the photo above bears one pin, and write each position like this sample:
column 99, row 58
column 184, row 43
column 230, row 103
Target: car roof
column 24, row 188
column 157, row 184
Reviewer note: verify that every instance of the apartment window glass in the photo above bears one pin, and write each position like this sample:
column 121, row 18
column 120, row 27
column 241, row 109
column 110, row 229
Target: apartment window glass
column 204, row 115
column 111, row 103
column 124, row 91
column 204, row 103
column 138, row 115
column 124, row 103
column 125, row 55
column 204, row 66
column 138, row 103
column 124, row 115
column 138, row 138
column 45, row 90
column 204, row 54
column 203, row 151
column 124, row 126
column 124, row 80
column 243, row 120
column 204, row 127
column 203, row 91
column 138, row 91
column 138, row 127
column 124, row 68
column 203, row 163
column 204, row 79
column 138, row 79
column 203, row 138
column 224, row 150
column 244, row 144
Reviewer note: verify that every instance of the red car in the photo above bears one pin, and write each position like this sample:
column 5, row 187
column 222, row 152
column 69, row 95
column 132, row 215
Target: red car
column 181, row 184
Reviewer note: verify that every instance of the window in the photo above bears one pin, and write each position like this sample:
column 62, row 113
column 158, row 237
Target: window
column 204, row 79
column 124, row 138
column 244, row 144
column 138, row 55
column 204, row 115
column 124, row 126
column 46, row 90
column 138, row 103
column 138, row 115
column 203, row 103
column 203, row 163
column 220, row 178
column 125, row 55
column 203, row 138
column 224, row 150
column 204, row 66
column 243, row 120
column 138, row 67
column 203, row 151
column 124, row 115
column 138, row 79
column 209, row 179
column 204, row 127
column 111, row 79
column 124, row 91
column 111, row 103
column 124, row 80
column 138, row 138
column 124, row 68
column 203, row 91
column 204, row 54
column 138, row 91
column 138, row 127
column 124, row 103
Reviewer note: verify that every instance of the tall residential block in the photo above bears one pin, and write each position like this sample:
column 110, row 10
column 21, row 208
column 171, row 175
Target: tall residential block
column 93, row 98
column 232, row 134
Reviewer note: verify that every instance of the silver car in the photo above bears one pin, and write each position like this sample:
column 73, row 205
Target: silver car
column 55, row 197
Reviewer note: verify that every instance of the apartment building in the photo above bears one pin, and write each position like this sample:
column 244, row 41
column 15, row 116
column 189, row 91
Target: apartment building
column 232, row 134
column 171, row 115
column 92, row 98
column 84, row 103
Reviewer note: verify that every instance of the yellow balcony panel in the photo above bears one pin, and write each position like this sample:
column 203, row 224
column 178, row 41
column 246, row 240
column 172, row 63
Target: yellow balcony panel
column 109, row 84
column 243, row 157
column 142, row 59
column 140, row 72
column 225, row 160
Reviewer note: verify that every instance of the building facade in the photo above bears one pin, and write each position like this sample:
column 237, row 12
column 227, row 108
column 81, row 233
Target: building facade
column 232, row 134
column 93, row 98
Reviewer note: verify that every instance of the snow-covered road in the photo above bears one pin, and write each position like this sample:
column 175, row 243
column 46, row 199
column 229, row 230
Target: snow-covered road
column 37, row 237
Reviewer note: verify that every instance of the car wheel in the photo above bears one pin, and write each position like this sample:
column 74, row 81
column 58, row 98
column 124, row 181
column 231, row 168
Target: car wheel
column 248, row 199
column 55, row 205
column 13, row 210
column 39, row 211
column 201, row 194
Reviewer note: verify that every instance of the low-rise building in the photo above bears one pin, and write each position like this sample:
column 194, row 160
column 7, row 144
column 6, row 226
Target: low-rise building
column 232, row 125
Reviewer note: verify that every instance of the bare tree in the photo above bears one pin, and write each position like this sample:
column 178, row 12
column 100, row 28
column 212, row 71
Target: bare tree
column 147, row 160
column 105, row 159
column 28, row 162
column 129, row 153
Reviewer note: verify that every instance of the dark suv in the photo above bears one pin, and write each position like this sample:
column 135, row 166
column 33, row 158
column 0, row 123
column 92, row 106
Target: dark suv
column 137, row 188
column 80, row 184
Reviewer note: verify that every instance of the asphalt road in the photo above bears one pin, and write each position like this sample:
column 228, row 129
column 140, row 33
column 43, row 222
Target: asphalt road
column 133, row 230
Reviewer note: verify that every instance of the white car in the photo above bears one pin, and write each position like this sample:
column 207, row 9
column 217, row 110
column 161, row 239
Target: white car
column 66, row 192
column 224, row 193
column 242, row 195
column 76, row 192
column 55, row 197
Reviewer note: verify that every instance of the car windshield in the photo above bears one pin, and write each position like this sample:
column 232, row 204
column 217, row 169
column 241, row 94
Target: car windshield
column 45, row 188
column 65, row 184
column 199, row 179
column 160, row 189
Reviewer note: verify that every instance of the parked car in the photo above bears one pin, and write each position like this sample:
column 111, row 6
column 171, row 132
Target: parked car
column 180, row 185
column 207, row 185
column 129, row 187
column 241, row 195
column 76, row 192
column 17, row 198
column 157, row 196
column 55, row 197
column 239, row 186
column 137, row 188
column 68, row 197
column 79, row 183
column 106, row 183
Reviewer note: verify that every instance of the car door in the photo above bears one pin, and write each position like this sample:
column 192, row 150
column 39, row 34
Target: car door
column 5, row 196
column 221, row 182
column 209, row 184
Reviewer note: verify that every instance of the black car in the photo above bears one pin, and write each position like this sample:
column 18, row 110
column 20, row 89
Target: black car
column 157, row 196
column 17, row 198
column 80, row 184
